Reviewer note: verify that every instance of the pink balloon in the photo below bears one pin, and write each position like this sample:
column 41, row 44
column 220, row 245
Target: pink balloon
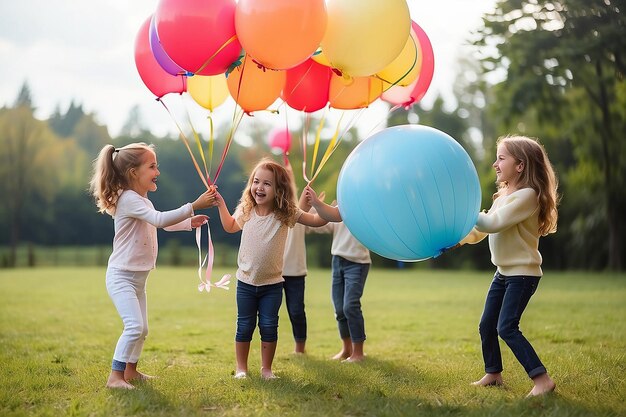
column 198, row 35
column 159, row 54
column 152, row 74
column 280, row 138
column 306, row 87
column 414, row 92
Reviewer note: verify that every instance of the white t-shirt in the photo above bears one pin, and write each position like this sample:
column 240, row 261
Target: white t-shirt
column 135, row 220
column 344, row 243
column 262, row 246
column 294, row 259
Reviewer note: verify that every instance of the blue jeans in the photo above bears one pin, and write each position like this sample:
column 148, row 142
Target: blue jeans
column 347, row 289
column 263, row 300
column 294, row 298
column 506, row 300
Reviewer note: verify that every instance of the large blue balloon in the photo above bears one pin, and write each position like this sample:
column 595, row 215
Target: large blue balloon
column 409, row 192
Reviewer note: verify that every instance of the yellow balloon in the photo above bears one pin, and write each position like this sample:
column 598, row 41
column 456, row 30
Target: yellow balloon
column 364, row 36
column 404, row 69
column 208, row 91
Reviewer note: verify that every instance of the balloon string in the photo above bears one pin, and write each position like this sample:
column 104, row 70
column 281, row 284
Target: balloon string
column 286, row 149
column 198, row 144
column 211, row 139
column 212, row 57
column 206, row 284
column 316, row 146
column 184, row 138
column 305, row 133
column 237, row 116
column 330, row 149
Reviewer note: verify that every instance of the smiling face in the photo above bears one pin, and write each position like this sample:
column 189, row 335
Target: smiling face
column 144, row 177
column 508, row 169
column 263, row 188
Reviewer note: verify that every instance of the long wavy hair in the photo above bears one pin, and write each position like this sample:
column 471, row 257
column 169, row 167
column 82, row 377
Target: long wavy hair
column 111, row 173
column 537, row 174
column 285, row 206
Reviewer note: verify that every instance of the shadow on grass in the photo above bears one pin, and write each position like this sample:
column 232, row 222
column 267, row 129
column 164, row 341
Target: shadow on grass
column 144, row 400
column 314, row 386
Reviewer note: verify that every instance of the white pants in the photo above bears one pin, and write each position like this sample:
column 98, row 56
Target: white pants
column 127, row 289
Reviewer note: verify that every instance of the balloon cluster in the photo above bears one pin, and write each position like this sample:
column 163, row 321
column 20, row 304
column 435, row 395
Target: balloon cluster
column 310, row 53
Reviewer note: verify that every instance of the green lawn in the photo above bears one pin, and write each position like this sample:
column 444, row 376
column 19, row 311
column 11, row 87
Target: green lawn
column 58, row 330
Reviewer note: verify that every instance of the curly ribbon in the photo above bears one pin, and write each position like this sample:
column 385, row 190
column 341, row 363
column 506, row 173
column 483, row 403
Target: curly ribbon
column 206, row 284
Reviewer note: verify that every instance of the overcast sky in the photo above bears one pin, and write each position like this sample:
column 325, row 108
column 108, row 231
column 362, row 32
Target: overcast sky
column 83, row 51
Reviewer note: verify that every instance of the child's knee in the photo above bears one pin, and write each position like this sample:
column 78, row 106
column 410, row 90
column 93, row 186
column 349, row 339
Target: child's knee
column 136, row 331
column 268, row 333
column 244, row 333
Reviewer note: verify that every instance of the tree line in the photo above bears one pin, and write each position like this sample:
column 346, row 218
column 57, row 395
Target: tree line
column 561, row 79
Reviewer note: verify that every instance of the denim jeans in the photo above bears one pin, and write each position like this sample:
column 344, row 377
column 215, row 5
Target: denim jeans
column 263, row 300
column 506, row 300
column 347, row 289
column 294, row 298
column 127, row 289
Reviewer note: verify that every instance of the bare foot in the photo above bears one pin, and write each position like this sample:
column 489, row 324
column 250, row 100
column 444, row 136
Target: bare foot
column 267, row 374
column 543, row 385
column 137, row 376
column 489, row 380
column 354, row 358
column 341, row 356
column 118, row 383
column 299, row 347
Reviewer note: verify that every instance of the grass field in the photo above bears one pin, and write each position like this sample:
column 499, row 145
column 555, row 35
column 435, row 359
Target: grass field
column 58, row 330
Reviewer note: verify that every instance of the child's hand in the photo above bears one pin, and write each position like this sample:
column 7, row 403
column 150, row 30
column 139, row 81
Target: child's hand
column 206, row 199
column 198, row 220
column 219, row 200
column 311, row 195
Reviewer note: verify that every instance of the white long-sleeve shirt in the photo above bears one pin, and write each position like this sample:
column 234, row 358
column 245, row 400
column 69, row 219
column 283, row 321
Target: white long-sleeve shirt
column 512, row 224
column 135, row 245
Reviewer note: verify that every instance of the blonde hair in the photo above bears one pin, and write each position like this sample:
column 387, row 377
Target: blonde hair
column 285, row 206
column 537, row 174
column 111, row 173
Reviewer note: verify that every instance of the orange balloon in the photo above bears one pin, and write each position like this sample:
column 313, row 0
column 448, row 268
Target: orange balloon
column 354, row 93
column 254, row 87
column 280, row 34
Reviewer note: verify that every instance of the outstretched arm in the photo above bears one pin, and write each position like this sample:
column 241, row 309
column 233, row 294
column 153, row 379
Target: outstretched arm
column 228, row 222
column 325, row 211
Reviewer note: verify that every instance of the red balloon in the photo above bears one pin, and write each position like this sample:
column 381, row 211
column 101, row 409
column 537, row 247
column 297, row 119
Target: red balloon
column 152, row 74
column 306, row 87
column 280, row 138
column 197, row 35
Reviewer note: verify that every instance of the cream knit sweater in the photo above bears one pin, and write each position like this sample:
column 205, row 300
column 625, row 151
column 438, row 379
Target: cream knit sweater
column 513, row 228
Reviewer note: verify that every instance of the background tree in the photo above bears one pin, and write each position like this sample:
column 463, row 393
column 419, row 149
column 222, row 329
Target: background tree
column 31, row 158
column 564, row 66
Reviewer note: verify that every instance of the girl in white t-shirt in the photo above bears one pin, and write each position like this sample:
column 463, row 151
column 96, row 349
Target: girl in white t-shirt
column 266, row 210
column 120, row 184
